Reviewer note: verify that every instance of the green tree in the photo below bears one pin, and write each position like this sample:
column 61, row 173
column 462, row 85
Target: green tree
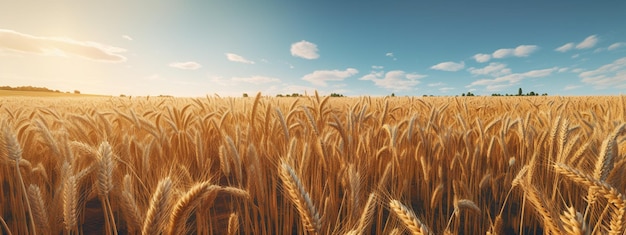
column 519, row 92
column 245, row 95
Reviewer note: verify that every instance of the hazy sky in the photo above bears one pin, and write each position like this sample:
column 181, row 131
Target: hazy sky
column 194, row 48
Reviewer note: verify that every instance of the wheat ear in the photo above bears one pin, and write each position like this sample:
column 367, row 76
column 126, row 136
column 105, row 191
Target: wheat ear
column 605, row 163
column 105, row 182
column 129, row 206
column 156, row 217
column 70, row 201
column 602, row 188
column 187, row 203
column 40, row 214
column 14, row 152
column 368, row 214
column 541, row 206
column 573, row 222
column 408, row 218
column 233, row 224
column 298, row 195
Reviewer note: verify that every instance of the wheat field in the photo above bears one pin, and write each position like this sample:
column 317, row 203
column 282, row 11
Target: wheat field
column 313, row 165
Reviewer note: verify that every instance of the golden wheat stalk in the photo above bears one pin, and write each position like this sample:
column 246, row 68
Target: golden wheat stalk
column 40, row 213
column 408, row 218
column 233, row 224
column 573, row 221
column 156, row 216
column 14, row 152
column 368, row 214
column 300, row 198
column 70, row 203
column 186, row 204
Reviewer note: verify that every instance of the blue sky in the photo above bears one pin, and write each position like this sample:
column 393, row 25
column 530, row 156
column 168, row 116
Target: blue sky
column 195, row 48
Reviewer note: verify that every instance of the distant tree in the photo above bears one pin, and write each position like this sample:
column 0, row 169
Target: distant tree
column 336, row 95
column 76, row 92
column 279, row 95
column 245, row 95
column 519, row 92
column 393, row 94
column 544, row 94
column 122, row 95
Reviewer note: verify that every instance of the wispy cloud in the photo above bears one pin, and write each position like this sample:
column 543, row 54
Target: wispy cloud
column 376, row 67
column 519, row 51
column 189, row 65
column 127, row 37
column 390, row 54
column 304, row 49
column 588, row 42
column 493, row 69
column 616, row 45
column 320, row 77
column 56, row 46
column 511, row 79
column 237, row 58
column 566, row 47
column 396, row 80
column 256, row 79
column 482, row 58
column 609, row 75
column 449, row 66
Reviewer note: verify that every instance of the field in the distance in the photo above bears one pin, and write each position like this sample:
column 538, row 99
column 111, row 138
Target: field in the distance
column 316, row 165
column 6, row 93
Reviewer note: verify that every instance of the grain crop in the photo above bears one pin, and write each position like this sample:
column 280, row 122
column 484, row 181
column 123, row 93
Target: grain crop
column 313, row 165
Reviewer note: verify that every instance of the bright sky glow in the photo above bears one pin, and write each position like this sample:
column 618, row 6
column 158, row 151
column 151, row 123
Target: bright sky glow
column 200, row 47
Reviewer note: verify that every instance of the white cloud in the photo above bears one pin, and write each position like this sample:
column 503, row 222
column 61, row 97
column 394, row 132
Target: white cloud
column 511, row 79
column 589, row 42
column 571, row 87
column 561, row 70
column 55, row 46
column 396, row 80
column 502, row 53
column 577, row 70
column 304, row 49
column 449, row 66
column 574, row 56
column 377, row 67
column 519, row 51
column 390, row 54
column 256, row 79
column 482, row 58
column 525, row 50
column 565, row 47
column 237, row 58
column 127, row 37
column 606, row 76
column 320, row 77
column 189, row 65
column 493, row 69
column 616, row 45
